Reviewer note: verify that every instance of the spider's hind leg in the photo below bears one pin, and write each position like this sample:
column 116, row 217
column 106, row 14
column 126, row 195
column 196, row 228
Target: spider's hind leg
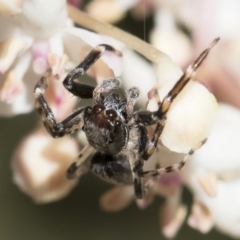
column 173, row 168
column 78, row 168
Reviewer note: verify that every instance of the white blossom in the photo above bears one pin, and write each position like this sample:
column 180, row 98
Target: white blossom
column 30, row 39
column 213, row 175
column 39, row 166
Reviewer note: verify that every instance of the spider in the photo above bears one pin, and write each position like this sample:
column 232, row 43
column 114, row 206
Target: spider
column 117, row 135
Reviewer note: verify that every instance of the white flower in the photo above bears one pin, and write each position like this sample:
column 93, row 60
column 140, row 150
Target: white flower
column 116, row 9
column 190, row 117
column 32, row 41
column 27, row 50
column 213, row 176
column 10, row 7
column 60, row 46
column 39, row 166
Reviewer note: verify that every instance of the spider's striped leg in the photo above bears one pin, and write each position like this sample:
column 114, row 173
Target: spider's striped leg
column 78, row 168
column 137, row 166
column 185, row 78
column 83, row 90
column 152, row 143
column 72, row 123
column 159, row 117
column 139, row 136
column 173, row 168
column 149, row 118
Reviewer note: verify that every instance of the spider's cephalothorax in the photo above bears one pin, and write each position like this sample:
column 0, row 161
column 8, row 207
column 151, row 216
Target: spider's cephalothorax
column 117, row 136
column 104, row 129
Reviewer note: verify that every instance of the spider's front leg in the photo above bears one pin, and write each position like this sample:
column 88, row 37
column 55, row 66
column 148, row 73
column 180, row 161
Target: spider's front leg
column 159, row 117
column 83, row 90
column 69, row 125
column 150, row 118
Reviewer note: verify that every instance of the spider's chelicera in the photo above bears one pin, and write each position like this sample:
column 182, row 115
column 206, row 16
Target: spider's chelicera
column 117, row 135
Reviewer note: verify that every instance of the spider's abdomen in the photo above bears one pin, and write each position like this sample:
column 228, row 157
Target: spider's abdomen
column 113, row 169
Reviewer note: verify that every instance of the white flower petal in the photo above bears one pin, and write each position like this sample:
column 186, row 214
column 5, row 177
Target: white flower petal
column 24, row 102
column 9, row 50
column 137, row 72
column 13, row 85
column 59, row 99
column 10, row 7
column 56, row 44
column 189, row 119
column 38, row 15
column 116, row 9
column 146, row 201
column 220, row 156
column 168, row 38
column 8, row 28
column 224, row 208
column 208, row 183
column 58, row 64
column 171, row 229
column 40, row 165
column 97, row 9
column 40, row 51
column 221, row 152
column 117, row 198
column 172, row 215
column 93, row 39
column 200, row 218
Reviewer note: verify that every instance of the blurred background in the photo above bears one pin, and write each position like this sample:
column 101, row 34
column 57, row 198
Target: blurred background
column 79, row 216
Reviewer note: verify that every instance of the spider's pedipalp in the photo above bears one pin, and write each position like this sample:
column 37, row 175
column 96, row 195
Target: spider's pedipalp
column 132, row 94
column 103, row 87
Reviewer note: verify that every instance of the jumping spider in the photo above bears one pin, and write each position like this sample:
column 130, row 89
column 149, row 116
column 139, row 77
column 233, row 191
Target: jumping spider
column 116, row 134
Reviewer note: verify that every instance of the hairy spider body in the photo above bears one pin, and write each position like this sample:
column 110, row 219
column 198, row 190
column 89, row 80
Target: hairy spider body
column 117, row 136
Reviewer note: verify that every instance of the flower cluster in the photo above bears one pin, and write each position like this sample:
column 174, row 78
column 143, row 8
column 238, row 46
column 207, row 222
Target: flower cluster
column 32, row 42
column 25, row 55
column 181, row 30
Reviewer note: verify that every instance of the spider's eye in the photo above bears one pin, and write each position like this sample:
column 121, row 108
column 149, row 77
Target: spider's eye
column 118, row 123
column 111, row 114
column 98, row 108
column 88, row 109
